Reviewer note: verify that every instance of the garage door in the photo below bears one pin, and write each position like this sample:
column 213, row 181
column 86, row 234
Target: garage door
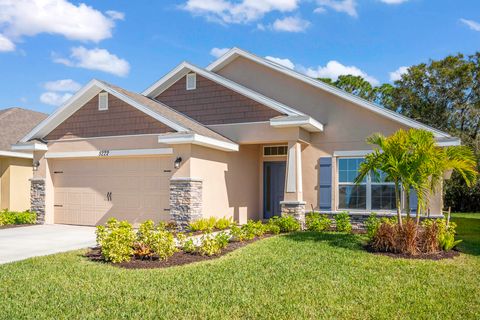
column 90, row 191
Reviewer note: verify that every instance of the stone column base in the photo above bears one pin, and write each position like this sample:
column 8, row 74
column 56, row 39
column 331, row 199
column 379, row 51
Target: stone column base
column 37, row 198
column 295, row 209
column 185, row 200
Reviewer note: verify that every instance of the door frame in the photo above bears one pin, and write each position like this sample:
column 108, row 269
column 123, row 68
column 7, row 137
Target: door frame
column 264, row 187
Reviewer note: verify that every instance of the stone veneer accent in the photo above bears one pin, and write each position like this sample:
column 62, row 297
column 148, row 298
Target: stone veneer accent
column 295, row 209
column 185, row 200
column 358, row 219
column 37, row 198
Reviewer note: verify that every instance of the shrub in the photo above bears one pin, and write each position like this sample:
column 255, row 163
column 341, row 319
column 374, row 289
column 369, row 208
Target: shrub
column 222, row 238
column 272, row 228
column 385, row 238
column 342, row 221
column 371, row 225
column 286, row 223
column 236, row 233
column 154, row 240
column 117, row 240
column 408, row 238
column 13, row 217
column 209, row 246
column 205, row 224
column 223, row 223
column 252, row 229
column 317, row 222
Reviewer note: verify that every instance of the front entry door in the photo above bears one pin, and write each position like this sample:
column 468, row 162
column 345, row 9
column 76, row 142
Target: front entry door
column 273, row 187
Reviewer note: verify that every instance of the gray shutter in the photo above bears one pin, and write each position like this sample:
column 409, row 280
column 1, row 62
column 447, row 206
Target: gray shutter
column 325, row 183
column 413, row 201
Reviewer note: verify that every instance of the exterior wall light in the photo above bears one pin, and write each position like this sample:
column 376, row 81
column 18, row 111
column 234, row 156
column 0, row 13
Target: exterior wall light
column 36, row 164
column 177, row 162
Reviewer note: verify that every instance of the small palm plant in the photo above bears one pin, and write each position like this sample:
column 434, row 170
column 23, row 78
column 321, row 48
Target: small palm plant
column 412, row 160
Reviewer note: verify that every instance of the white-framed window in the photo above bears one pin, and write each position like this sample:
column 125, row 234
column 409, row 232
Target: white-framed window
column 191, row 81
column 373, row 193
column 103, row 101
column 275, row 151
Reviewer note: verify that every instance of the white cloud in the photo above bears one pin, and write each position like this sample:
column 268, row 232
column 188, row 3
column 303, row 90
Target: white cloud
column 95, row 59
column 471, row 24
column 333, row 69
column 115, row 15
column 54, row 99
column 347, row 6
column 397, row 74
column 284, row 62
column 225, row 11
column 20, row 18
column 290, row 24
column 64, row 85
column 6, row 44
column 393, row 1
column 218, row 52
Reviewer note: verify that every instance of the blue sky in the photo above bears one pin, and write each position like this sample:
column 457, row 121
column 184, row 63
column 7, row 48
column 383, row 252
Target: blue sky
column 49, row 48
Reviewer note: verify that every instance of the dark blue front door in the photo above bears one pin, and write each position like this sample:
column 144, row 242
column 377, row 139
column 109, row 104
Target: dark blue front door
column 273, row 187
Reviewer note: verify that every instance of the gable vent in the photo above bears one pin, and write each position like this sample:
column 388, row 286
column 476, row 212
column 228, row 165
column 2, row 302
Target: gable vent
column 191, row 81
column 103, row 101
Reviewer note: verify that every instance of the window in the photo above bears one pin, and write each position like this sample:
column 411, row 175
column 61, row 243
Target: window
column 191, row 81
column 103, row 101
column 373, row 193
column 275, row 151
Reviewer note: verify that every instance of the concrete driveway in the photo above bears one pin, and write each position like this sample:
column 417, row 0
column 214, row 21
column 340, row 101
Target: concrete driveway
column 32, row 241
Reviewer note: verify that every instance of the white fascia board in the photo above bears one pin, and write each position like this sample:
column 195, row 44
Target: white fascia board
column 109, row 153
column 76, row 102
column 182, row 69
column 197, row 139
column 12, row 154
column 31, row 146
column 236, row 52
column 307, row 123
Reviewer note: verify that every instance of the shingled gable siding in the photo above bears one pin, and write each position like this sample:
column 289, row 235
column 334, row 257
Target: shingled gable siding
column 119, row 119
column 211, row 103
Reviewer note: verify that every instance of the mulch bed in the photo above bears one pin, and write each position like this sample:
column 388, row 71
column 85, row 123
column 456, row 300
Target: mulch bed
column 421, row 256
column 11, row 226
column 178, row 259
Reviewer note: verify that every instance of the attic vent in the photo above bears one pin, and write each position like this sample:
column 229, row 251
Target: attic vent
column 275, row 151
column 103, row 101
column 191, row 81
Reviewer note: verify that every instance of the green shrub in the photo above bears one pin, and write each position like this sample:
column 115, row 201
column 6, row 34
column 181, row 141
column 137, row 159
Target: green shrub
column 223, row 223
column 286, row 223
column 205, row 224
column 342, row 221
column 272, row 228
column 317, row 222
column 222, row 238
column 252, row 229
column 209, row 246
column 117, row 240
column 189, row 246
column 154, row 240
column 372, row 224
column 13, row 217
column 236, row 233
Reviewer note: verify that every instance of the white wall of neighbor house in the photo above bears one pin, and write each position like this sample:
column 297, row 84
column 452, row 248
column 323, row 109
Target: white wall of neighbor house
column 346, row 125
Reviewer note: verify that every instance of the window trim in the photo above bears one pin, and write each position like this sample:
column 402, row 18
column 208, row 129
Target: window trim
column 368, row 184
column 103, row 95
column 192, row 76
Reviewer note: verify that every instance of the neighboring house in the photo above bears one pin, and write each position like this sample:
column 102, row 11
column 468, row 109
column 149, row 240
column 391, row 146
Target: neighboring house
column 244, row 138
column 16, row 167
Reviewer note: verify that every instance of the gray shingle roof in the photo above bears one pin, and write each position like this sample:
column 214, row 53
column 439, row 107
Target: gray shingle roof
column 15, row 123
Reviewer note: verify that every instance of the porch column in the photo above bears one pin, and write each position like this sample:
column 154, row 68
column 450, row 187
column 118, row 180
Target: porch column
column 293, row 203
column 185, row 200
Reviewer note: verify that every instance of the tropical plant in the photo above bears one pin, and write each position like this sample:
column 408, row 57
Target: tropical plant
column 223, row 223
column 286, row 223
column 342, row 222
column 116, row 240
column 315, row 221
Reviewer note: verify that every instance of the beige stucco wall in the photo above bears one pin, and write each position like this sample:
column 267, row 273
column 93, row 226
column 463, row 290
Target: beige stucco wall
column 346, row 125
column 15, row 183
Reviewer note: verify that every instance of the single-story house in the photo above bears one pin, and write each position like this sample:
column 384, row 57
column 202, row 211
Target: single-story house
column 244, row 138
column 16, row 167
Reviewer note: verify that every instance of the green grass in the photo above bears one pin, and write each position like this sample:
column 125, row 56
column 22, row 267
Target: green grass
column 469, row 231
column 302, row 275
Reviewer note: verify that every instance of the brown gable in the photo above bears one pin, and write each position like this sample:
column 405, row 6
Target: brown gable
column 212, row 103
column 120, row 119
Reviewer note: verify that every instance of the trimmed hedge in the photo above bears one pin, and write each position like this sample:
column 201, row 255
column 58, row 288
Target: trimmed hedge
column 13, row 217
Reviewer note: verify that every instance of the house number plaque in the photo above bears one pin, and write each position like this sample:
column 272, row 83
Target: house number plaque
column 104, row 153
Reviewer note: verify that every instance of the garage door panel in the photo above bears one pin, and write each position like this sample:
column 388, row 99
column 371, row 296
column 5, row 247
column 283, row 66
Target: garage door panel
column 139, row 189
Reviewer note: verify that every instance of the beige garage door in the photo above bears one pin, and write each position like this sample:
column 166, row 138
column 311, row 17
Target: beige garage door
column 90, row 191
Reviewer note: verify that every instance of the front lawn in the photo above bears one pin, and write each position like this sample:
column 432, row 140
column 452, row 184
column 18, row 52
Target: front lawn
column 301, row 275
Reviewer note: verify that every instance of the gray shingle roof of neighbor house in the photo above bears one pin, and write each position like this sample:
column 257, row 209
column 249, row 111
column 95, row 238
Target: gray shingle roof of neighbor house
column 16, row 123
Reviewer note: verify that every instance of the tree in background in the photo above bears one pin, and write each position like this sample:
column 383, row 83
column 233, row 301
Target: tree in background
column 444, row 94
